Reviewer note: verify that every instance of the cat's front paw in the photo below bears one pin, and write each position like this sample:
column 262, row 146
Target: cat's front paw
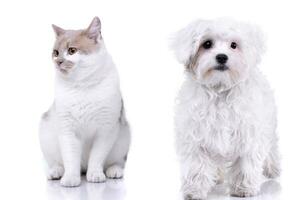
column 70, row 180
column 95, row 176
column 114, row 172
column 55, row 172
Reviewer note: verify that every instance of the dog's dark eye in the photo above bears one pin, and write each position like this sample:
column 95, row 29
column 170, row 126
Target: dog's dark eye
column 207, row 44
column 72, row 50
column 55, row 53
column 233, row 45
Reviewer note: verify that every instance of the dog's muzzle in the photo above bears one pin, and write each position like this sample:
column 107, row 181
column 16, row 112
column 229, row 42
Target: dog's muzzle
column 221, row 67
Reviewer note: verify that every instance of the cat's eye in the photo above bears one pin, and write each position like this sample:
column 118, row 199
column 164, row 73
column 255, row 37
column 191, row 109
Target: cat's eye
column 233, row 45
column 207, row 44
column 72, row 50
column 55, row 53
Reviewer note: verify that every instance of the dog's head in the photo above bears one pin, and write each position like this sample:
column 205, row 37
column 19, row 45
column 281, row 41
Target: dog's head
column 219, row 53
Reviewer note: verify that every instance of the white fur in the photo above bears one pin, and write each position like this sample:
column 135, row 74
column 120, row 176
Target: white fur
column 85, row 129
column 224, row 121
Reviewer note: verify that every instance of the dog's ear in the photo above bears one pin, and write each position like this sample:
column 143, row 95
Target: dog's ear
column 186, row 41
column 256, row 42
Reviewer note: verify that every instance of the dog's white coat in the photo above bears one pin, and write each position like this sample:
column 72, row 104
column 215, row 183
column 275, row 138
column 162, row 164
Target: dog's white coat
column 224, row 121
column 85, row 129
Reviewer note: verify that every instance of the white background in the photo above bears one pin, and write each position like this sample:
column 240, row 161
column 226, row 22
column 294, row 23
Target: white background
column 136, row 34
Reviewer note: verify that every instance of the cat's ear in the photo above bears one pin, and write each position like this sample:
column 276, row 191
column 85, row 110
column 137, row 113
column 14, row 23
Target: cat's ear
column 94, row 29
column 57, row 30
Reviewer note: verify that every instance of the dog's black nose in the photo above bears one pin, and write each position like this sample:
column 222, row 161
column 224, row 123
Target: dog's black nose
column 221, row 58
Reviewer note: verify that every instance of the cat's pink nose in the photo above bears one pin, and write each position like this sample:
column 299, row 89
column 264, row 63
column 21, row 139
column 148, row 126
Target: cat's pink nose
column 59, row 62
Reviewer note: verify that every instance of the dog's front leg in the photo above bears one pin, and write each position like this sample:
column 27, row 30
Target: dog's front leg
column 247, row 175
column 199, row 174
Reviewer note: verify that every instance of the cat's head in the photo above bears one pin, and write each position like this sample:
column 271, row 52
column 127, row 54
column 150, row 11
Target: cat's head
column 74, row 49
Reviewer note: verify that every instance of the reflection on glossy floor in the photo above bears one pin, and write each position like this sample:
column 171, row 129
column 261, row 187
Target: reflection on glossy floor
column 111, row 190
column 270, row 191
column 116, row 190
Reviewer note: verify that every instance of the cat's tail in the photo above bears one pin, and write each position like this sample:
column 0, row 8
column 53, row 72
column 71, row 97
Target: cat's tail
column 122, row 119
column 115, row 163
column 125, row 131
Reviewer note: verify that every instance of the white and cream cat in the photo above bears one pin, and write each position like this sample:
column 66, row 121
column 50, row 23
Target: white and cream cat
column 85, row 130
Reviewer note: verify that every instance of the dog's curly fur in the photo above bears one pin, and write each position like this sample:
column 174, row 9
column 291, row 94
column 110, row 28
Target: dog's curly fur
column 225, row 119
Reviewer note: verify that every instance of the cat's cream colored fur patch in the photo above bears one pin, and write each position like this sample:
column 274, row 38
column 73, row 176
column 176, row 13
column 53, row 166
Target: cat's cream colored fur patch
column 77, row 39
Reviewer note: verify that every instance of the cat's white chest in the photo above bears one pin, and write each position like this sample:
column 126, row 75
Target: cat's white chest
column 89, row 110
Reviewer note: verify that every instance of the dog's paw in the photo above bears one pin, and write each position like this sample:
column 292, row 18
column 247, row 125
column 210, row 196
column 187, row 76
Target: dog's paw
column 242, row 191
column 193, row 197
column 246, row 185
column 195, row 194
column 197, row 188
column 55, row 172
column 95, row 176
column 114, row 172
column 70, row 180
column 272, row 171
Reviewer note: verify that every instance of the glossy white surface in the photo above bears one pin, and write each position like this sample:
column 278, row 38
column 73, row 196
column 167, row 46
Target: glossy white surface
column 116, row 190
column 111, row 190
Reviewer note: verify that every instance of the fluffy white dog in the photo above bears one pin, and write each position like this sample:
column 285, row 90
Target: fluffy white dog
column 226, row 115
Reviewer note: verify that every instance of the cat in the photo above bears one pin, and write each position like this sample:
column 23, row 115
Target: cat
column 85, row 130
